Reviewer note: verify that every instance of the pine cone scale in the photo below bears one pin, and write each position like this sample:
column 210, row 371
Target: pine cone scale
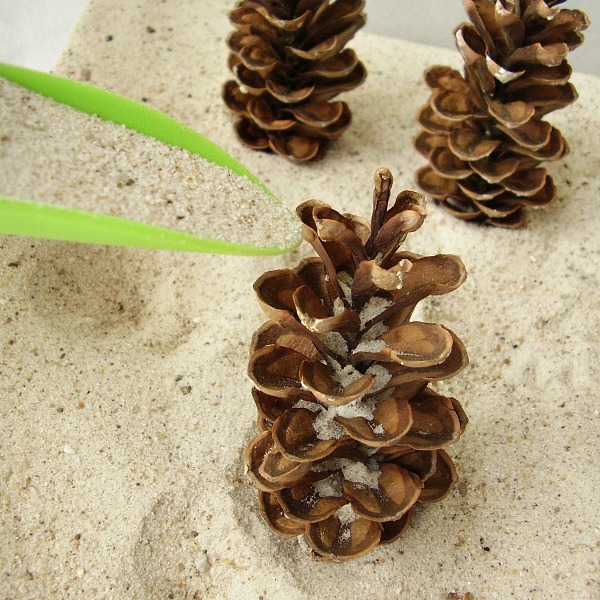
column 296, row 436
column 534, row 135
column 336, row 66
column 273, row 515
column 495, row 171
column 296, row 148
column 398, row 490
column 392, row 420
column 500, row 210
column 255, row 454
column 455, row 363
column 319, row 114
column 330, row 539
column 250, row 134
column 468, row 144
column 446, row 164
column 441, row 481
column 265, row 117
column 392, row 530
column 304, row 504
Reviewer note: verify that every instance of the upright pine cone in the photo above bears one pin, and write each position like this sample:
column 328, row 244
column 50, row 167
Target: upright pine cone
column 484, row 133
column 351, row 436
column 289, row 62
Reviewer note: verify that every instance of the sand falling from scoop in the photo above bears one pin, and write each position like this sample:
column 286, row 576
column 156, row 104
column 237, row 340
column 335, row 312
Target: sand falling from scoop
column 52, row 153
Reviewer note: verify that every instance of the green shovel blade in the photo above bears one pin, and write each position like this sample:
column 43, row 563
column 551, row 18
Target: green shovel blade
column 24, row 217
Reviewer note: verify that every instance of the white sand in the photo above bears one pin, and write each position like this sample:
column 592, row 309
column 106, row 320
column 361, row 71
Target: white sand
column 125, row 406
column 55, row 154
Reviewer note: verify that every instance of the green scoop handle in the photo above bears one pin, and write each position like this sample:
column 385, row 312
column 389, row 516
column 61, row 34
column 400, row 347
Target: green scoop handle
column 19, row 216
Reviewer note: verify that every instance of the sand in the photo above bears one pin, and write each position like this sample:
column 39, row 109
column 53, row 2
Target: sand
column 126, row 408
column 54, row 154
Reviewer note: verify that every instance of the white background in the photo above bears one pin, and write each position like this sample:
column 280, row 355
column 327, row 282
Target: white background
column 34, row 32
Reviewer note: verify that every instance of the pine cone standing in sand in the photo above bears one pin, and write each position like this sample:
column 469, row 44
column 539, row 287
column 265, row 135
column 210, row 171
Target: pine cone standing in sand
column 351, row 436
column 289, row 62
column 484, row 133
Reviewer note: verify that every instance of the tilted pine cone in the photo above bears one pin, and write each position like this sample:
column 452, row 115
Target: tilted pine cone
column 484, row 133
column 289, row 62
column 351, row 436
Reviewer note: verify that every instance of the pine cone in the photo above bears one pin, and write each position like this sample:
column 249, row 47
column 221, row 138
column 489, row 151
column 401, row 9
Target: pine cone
column 485, row 135
column 351, row 436
column 289, row 62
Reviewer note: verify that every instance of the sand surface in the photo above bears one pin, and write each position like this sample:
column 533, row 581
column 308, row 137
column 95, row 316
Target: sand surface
column 125, row 406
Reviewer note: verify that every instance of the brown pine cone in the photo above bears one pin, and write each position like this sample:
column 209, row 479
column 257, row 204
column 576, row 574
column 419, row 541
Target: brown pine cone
column 351, row 436
column 484, row 132
column 289, row 62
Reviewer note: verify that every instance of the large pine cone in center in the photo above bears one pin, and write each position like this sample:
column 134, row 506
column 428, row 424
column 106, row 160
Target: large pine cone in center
column 351, row 435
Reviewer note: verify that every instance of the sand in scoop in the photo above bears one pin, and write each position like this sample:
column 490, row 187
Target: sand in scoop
column 54, row 154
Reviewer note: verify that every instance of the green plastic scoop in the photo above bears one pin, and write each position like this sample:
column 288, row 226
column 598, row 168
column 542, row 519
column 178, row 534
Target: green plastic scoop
column 19, row 216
